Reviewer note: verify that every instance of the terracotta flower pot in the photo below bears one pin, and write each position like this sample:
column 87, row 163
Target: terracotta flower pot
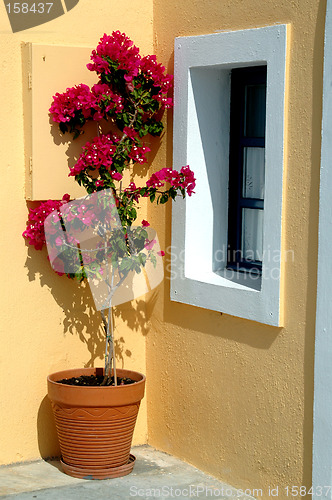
column 95, row 425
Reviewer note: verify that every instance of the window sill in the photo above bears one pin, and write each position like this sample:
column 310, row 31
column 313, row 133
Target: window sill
column 228, row 278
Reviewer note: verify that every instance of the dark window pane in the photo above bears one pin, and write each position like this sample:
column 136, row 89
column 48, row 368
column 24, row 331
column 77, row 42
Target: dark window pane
column 255, row 102
column 252, row 234
column 253, row 173
column 247, row 167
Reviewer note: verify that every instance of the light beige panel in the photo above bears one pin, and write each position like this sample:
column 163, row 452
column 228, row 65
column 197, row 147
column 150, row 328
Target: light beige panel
column 48, row 69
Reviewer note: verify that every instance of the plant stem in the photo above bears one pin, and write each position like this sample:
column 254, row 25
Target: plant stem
column 113, row 353
column 131, row 123
column 107, row 349
column 104, row 320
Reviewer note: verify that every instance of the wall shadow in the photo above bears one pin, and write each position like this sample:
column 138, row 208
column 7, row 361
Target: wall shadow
column 312, row 251
column 80, row 315
column 194, row 318
column 48, row 442
column 74, row 298
column 90, row 130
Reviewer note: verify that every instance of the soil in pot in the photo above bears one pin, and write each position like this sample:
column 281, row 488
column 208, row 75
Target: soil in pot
column 94, row 380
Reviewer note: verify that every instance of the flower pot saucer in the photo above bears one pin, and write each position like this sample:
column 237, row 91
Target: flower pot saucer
column 99, row 473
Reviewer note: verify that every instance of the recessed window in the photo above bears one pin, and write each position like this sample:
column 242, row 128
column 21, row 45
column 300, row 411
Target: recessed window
column 237, row 205
column 247, row 169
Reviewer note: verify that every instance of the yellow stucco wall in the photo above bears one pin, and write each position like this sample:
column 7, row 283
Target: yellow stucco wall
column 231, row 396
column 48, row 322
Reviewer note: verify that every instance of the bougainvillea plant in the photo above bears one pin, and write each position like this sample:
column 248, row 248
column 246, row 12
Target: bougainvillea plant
column 128, row 101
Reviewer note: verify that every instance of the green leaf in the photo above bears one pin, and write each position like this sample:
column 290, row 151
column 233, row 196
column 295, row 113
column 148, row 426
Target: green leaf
column 156, row 128
column 133, row 213
column 77, row 133
column 172, row 193
column 125, row 265
column 153, row 259
column 142, row 258
column 164, row 198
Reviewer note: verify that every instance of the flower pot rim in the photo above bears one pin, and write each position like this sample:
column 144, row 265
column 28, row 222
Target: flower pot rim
column 97, row 395
column 72, row 372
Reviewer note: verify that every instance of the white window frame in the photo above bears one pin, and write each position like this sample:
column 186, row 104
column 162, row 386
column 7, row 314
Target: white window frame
column 201, row 139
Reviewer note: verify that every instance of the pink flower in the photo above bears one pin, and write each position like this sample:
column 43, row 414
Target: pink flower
column 120, row 49
column 87, row 219
column 97, row 153
column 66, row 198
column 189, row 181
column 162, row 82
column 131, row 187
column 93, row 104
column 104, row 100
column 137, row 154
column 65, row 105
column 129, row 86
column 35, row 233
column 149, row 244
column 133, row 191
column 161, row 253
column 116, row 175
column 145, row 223
column 184, row 179
column 59, row 241
column 130, row 132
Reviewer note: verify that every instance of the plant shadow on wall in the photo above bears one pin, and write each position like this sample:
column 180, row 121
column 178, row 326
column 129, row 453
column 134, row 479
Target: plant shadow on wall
column 80, row 316
column 74, row 148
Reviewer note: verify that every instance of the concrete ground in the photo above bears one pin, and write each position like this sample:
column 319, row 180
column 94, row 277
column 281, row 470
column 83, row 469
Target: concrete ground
column 155, row 475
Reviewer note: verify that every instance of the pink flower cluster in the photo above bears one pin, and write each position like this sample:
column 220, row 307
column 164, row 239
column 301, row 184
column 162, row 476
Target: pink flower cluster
column 137, row 153
column 102, row 100
column 149, row 244
column 133, row 190
column 118, row 48
column 83, row 213
column 64, row 105
column 34, row 232
column 130, row 132
column 101, row 150
column 97, row 153
column 184, row 179
column 93, row 103
column 156, row 72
